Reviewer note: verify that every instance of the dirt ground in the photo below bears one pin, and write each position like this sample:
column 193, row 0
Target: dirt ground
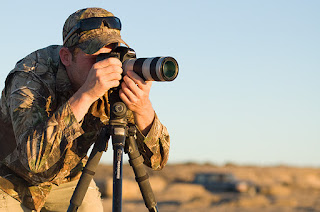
column 283, row 189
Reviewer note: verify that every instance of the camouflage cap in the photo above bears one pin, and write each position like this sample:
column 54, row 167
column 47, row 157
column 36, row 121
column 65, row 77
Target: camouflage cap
column 93, row 40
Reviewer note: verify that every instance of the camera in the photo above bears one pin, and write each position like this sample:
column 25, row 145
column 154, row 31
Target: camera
column 149, row 69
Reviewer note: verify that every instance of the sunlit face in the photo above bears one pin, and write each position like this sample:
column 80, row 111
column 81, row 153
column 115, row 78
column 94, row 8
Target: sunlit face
column 81, row 65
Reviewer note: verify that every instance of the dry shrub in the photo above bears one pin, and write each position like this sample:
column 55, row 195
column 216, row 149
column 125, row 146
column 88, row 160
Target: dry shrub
column 276, row 190
column 256, row 201
column 184, row 192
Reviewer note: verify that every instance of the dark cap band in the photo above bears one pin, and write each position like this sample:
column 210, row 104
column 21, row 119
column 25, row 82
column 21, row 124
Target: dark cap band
column 91, row 29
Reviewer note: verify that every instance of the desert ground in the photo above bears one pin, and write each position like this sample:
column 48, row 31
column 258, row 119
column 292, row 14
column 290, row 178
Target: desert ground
column 283, row 189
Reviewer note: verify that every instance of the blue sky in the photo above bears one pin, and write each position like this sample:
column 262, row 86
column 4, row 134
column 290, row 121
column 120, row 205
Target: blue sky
column 248, row 87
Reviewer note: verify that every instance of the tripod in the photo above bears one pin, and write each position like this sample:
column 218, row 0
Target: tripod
column 123, row 138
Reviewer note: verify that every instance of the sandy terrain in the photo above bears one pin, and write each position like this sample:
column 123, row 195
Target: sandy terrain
column 283, row 189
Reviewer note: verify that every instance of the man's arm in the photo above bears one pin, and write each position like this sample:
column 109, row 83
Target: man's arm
column 135, row 94
column 153, row 138
column 42, row 135
column 155, row 145
column 102, row 76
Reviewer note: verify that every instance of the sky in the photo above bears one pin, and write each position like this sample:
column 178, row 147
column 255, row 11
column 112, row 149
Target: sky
column 249, row 71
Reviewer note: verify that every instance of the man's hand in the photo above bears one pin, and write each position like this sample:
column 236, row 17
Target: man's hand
column 135, row 94
column 102, row 76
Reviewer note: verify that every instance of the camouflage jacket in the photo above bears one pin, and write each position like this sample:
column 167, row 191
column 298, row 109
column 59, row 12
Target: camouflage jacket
column 41, row 141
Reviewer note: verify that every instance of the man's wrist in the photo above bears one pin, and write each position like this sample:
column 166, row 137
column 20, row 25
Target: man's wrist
column 80, row 104
column 144, row 121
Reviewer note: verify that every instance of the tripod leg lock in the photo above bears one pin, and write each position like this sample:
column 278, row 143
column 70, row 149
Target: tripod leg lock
column 136, row 161
column 142, row 178
column 88, row 172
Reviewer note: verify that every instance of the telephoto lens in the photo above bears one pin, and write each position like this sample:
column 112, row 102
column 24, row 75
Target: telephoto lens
column 153, row 69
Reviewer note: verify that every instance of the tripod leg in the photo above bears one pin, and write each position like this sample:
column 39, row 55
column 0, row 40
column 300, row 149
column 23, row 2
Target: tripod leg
column 118, row 142
column 142, row 178
column 89, row 171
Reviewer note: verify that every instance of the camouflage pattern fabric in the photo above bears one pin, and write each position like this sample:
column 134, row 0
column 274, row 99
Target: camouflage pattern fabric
column 93, row 40
column 46, row 145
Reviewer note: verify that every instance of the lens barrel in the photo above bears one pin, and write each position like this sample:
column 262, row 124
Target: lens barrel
column 153, row 69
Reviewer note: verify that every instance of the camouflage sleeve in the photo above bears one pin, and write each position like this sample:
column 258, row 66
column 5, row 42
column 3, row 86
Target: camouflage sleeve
column 42, row 132
column 155, row 146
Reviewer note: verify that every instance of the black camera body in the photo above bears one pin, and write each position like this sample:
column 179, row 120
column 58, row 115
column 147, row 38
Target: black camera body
column 149, row 69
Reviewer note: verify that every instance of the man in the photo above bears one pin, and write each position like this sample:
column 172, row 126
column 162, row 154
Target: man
column 52, row 108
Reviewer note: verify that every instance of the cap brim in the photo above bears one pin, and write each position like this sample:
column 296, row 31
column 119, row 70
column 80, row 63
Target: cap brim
column 93, row 45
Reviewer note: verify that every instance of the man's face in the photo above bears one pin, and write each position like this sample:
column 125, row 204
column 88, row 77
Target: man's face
column 81, row 65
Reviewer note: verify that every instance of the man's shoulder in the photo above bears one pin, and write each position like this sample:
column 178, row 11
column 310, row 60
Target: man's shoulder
column 42, row 64
column 48, row 56
column 48, row 53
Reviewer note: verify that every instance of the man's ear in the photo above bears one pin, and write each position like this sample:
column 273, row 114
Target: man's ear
column 65, row 56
